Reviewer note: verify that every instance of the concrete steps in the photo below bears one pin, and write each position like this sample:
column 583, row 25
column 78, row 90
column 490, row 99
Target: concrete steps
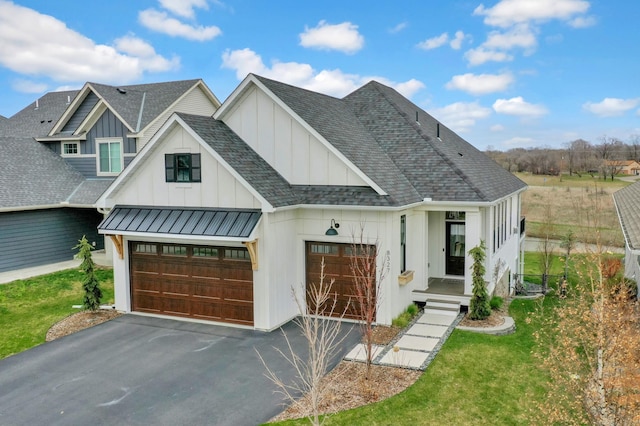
column 442, row 307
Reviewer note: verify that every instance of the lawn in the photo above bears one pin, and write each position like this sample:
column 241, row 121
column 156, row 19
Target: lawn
column 29, row 307
column 475, row 379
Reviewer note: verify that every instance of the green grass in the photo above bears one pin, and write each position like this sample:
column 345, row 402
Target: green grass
column 28, row 308
column 585, row 234
column 585, row 180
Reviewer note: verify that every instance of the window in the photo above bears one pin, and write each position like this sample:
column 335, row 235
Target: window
column 110, row 156
column 237, row 254
column 205, row 252
column 174, row 250
column 324, row 249
column 145, row 248
column 70, row 148
column 403, row 243
column 182, row 167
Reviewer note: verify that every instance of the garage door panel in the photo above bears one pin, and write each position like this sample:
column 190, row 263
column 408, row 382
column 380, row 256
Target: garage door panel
column 192, row 281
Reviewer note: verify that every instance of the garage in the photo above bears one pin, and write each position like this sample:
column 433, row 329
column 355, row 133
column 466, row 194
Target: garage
column 337, row 260
column 201, row 282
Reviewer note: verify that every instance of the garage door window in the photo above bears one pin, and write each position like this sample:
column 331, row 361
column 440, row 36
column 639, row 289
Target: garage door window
column 236, row 254
column 330, row 249
column 145, row 248
column 174, row 250
column 205, row 252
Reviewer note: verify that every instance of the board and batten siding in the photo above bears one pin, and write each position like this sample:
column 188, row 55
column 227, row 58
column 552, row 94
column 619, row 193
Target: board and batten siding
column 195, row 102
column 40, row 237
column 108, row 126
column 81, row 113
column 287, row 145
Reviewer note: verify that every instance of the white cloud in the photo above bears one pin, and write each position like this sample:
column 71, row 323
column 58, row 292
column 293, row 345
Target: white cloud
column 583, row 22
column 518, row 142
column 520, row 36
column 480, row 84
column 434, row 42
column 28, row 86
column 184, row 8
column 343, row 37
column 461, row 116
column 509, row 12
column 518, row 106
column 330, row 82
column 401, row 26
column 161, row 22
column 497, row 128
column 456, row 42
column 35, row 44
column 610, row 107
column 480, row 55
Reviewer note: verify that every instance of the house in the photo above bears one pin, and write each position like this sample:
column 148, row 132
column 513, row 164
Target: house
column 623, row 167
column 218, row 218
column 627, row 202
column 65, row 149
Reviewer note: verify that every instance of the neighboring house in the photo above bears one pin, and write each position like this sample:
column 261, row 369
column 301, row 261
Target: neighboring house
column 627, row 202
column 623, row 167
column 218, row 218
column 65, row 149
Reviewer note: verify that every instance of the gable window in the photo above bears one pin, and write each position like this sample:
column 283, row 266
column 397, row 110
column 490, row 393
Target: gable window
column 110, row 159
column 70, row 148
column 403, row 243
column 182, row 167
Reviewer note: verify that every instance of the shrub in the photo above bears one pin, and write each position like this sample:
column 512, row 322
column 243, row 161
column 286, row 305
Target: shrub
column 496, row 302
column 405, row 318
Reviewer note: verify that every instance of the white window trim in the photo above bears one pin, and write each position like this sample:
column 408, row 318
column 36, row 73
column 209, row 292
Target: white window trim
column 63, row 143
column 109, row 140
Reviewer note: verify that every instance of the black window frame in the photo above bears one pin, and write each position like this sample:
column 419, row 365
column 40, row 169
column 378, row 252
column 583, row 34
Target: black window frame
column 185, row 162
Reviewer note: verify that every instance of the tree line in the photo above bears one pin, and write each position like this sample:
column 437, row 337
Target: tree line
column 606, row 158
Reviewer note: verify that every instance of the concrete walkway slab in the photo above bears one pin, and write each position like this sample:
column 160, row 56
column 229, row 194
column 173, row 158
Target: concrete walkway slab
column 417, row 343
column 405, row 358
column 428, row 330
column 358, row 353
column 437, row 319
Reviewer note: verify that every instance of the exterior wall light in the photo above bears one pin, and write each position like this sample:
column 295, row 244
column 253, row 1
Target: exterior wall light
column 333, row 229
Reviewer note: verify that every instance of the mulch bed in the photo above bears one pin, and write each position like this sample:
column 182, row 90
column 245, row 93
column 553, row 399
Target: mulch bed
column 79, row 321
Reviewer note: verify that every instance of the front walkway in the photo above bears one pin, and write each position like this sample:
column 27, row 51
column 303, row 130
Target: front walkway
column 415, row 347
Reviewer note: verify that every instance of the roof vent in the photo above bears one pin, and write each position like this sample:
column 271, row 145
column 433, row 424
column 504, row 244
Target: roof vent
column 68, row 100
column 121, row 90
column 461, row 154
column 37, row 104
column 417, row 121
column 438, row 130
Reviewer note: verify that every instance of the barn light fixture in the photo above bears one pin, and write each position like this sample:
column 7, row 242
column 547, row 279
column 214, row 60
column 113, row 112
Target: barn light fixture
column 332, row 230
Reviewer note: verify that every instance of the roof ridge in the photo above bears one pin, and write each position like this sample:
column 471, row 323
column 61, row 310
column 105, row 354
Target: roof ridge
column 426, row 138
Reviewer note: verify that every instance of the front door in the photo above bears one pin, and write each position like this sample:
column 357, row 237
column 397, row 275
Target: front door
column 455, row 250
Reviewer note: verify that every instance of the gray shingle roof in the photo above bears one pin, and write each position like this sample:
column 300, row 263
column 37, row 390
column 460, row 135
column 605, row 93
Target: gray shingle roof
column 89, row 191
column 37, row 121
column 237, row 223
column 375, row 128
column 33, row 175
column 627, row 202
column 157, row 98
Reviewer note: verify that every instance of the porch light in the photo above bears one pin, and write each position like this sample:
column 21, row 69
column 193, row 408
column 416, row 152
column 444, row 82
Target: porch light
column 332, row 230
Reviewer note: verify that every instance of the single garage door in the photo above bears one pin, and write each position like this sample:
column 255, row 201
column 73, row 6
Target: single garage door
column 337, row 266
column 204, row 282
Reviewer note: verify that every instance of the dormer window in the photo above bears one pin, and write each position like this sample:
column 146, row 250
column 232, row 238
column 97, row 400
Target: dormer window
column 182, row 167
column 70, row 148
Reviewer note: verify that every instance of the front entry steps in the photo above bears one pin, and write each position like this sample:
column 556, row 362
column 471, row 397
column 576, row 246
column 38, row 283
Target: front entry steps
column 442, row 307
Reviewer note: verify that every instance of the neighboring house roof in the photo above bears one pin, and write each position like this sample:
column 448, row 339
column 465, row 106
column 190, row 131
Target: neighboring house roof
column 627, row 201
column 238, row 223
column 34, row 176
column 39, row 117
column 624, row 163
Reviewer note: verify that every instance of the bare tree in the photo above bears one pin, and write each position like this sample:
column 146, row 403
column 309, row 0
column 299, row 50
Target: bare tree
column 324, row 336
column 367, row 281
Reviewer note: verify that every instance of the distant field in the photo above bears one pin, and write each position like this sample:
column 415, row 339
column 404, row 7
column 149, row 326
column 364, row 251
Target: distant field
column 581, row 204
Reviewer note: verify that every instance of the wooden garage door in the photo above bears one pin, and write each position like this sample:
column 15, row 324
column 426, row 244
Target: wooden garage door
column 204, row 282
column 337, row 266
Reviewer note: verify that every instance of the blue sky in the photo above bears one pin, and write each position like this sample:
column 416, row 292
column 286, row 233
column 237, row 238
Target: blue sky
column 504, row 74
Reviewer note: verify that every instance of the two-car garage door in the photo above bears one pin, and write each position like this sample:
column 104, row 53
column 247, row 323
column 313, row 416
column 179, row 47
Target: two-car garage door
column 204, row 282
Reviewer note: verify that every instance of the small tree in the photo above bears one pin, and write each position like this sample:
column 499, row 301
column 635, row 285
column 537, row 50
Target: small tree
column 367, row 281
column 568, row 242
column 90, row 284
column 324, row 338
column 479, row 307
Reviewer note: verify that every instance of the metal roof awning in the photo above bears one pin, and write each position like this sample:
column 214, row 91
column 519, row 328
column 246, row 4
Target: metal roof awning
column 191, row 222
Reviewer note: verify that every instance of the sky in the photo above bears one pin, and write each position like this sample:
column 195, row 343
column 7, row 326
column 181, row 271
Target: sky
column 502, row 74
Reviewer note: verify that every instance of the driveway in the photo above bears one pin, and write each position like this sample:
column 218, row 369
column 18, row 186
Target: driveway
column 137, row 370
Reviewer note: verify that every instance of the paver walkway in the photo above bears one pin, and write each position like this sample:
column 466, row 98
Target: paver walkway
column 416, row 347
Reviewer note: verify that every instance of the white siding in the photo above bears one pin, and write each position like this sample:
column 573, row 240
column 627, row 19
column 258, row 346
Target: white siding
column 286, row 144
column 195, row 102
column 218, row 188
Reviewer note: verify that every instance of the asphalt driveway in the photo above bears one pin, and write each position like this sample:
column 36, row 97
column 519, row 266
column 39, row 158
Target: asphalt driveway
column 136, row 370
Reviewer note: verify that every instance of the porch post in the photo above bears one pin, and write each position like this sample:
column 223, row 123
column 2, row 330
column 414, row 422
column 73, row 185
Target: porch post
column 472, row 239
